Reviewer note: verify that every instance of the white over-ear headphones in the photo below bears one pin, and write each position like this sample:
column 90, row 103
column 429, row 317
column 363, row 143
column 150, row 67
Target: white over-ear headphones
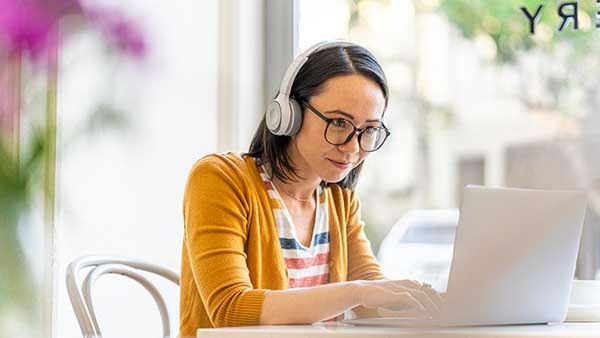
column 284, row 114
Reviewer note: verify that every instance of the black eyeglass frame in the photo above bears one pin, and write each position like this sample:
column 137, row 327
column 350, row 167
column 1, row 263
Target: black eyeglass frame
column 351, row 135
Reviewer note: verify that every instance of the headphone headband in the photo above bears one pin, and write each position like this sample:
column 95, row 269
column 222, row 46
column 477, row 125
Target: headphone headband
column 300, row 60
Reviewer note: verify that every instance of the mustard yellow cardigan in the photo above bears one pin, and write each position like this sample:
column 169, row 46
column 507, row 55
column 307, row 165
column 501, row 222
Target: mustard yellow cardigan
column 231, row 252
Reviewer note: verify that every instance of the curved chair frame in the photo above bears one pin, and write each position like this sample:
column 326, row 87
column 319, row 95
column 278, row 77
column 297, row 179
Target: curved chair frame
column 81, row 293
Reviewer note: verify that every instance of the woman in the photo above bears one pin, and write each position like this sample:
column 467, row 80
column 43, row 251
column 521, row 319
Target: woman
column 274, row 236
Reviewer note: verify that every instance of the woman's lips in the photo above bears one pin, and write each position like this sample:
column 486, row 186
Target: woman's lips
column 341, row 165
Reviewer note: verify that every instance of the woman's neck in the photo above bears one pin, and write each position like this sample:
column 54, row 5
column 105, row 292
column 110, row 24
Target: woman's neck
column 300, row 191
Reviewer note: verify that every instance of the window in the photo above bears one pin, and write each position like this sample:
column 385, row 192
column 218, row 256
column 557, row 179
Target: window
column 475, row 98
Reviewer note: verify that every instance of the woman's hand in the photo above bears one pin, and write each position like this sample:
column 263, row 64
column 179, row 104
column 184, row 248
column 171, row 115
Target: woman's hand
column 398, row 294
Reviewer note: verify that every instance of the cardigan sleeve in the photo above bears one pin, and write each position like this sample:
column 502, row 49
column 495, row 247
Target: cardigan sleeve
column 215, row 219
column 362, row 264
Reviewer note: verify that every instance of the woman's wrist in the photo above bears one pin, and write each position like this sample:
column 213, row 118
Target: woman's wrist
column 357, row 289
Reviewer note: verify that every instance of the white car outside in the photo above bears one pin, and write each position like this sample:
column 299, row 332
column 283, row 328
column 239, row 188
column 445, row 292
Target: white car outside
column 419, row 246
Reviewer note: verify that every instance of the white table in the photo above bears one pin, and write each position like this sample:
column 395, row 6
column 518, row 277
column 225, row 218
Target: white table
column 565, row 330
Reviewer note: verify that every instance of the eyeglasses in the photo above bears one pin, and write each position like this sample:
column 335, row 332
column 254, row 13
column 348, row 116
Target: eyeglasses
column 340, row 131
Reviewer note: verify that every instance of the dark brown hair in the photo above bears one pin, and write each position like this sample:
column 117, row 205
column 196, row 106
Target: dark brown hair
column 320, row 67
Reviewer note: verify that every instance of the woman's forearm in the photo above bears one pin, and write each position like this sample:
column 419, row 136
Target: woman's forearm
column 308, row 305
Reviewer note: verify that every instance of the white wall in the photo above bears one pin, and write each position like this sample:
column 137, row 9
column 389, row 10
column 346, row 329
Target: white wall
column 120, row 192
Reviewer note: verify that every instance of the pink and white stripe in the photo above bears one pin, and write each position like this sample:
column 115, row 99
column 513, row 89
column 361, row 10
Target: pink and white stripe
column 307, row 265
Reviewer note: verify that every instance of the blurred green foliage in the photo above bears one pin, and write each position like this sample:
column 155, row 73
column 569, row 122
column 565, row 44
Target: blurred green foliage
column 17, row 181
column 508, row 26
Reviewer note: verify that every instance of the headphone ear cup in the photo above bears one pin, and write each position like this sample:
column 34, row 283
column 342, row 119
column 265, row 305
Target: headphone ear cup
column 296, row 117
column 273, row 117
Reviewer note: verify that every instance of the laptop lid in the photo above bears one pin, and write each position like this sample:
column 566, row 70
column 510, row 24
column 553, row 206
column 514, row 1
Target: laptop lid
column 514, row 256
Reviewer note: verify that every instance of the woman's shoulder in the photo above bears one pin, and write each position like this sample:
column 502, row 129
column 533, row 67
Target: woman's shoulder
column 230, row 165
column 221, row 160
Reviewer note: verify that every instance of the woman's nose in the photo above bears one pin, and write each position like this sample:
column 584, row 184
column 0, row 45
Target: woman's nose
column 351, row 146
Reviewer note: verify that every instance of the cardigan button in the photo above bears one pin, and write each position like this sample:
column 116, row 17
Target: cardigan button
column 330, row 263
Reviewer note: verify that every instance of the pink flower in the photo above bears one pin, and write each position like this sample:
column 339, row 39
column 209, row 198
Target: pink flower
column 26, row 26
column 26, row 32
column 123, row 32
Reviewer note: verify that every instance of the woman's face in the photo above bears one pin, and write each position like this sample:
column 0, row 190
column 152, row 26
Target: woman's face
column 353, row 97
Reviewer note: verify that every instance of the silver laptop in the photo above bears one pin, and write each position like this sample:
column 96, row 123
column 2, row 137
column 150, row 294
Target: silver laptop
column 514, row 259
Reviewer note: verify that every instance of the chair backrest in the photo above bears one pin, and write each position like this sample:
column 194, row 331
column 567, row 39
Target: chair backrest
column 80, row 292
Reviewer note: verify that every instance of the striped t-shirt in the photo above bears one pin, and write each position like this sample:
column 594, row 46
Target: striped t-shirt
column 307, row 266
